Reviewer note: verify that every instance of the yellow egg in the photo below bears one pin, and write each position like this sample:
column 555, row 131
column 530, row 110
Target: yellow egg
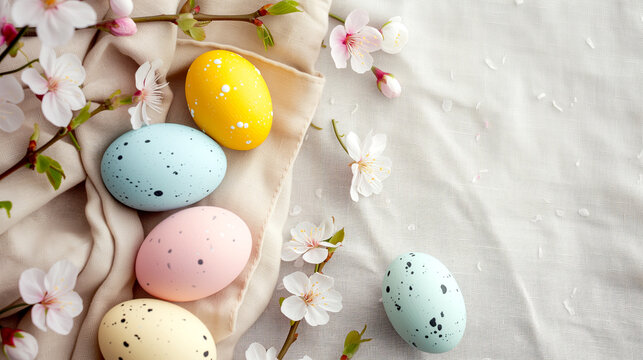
column 150, row 329
column 229, row 99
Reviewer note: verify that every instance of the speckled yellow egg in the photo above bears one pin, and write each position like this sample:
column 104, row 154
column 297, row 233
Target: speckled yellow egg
column 150, row 329
column 229, row 99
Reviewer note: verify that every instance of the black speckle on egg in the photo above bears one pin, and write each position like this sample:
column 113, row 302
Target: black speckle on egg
column 441, row 313
column 125, row 144
column 388, row 273
column 200, row 262
column 122, row 320
column 414, row 344
column 408, row 264
column 125, row 344
column 204, row 337
column 147, row 141
column 150, row 310
column 444, row 289
column 388, row 289
column 411, row 288
column 158, row 193
column 432, row 322
column 205, row 354
column 439, row 327
column 169, row 251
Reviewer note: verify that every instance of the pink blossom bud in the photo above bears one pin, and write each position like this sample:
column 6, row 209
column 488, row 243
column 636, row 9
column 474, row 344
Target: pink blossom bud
column 8, row 32
column 124, row 26
column 387, row 83
column 17, row 344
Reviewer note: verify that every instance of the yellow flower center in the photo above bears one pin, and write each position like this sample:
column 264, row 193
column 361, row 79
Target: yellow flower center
column 49, row 3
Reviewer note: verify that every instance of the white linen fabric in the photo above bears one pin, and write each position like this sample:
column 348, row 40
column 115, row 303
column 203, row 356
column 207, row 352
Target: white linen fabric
column 538, row 214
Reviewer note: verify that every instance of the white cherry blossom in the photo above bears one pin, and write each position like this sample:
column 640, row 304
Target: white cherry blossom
column 308, row 242
column 395, row 35
column 354, row 40
column 55, row 303
column 148, row 94
column 55, row 20
column 18, row 344
column 369, row 168
column 11, row 93
column 59, row 86
column 312, row 298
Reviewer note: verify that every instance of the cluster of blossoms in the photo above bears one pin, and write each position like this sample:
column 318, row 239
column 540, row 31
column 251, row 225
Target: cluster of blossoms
column 355, row 40
column 54, row 304
column 312, row 297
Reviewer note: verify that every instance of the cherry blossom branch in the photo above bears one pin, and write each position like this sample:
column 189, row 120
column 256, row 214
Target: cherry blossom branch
column 20, row 68
column 336, row 18
column 9, row 308
column 32, row 153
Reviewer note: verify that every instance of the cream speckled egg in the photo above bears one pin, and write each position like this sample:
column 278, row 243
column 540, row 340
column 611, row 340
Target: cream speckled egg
column 150, row 329
column 229, row 99
column 193, row 254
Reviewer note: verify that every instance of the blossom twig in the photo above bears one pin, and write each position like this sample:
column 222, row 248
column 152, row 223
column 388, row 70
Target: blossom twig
column 20, row 68
column 339, row 137
column 336, row 18
column 9, row 308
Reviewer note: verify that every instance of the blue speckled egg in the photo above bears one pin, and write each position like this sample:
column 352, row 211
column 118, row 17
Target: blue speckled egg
column 423, row 302
column 162, row 167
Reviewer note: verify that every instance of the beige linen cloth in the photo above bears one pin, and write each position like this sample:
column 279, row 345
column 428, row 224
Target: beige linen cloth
column 83, row 223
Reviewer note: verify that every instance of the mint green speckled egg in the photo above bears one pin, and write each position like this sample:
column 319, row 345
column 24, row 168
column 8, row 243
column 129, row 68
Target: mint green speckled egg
column 162, row 167
column 424, row 303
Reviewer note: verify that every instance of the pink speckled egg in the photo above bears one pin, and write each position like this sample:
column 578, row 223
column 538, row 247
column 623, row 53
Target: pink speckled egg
column 193, row 254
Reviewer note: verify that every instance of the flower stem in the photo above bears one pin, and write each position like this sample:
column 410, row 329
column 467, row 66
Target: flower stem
column 336, row 18
column 249, row 18
column 9, row 308
column 18, row 69
column 32, row 154
column 14, row 42
column 339, row 137
column 290, row 339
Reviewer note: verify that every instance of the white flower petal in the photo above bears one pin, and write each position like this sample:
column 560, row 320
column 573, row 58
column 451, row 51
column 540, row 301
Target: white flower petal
column 11, row 90
column 316, row 255
column 141, row 73
column 136, row 116
column 77, row 13
column 294, row 308
column 296, row 283
column 256, row 351
column 395, row 36
column 271, row 354
column 327, row 244
column 71, row 95
column 328, row 226
column 122, row 8
column 361, row 61
column 368, row 39
column 11, row 117
column 71, row 304
column 150, row 77
column 356, row 20
column 316, row 316
column 38, row 316
column 354, row 182
column 332, row 301
column 59, row 322
column 61, row 278
column 35, row 81
column 69, row 68
column 377, row 145
column 290, row 253
column 53, row 30
column 321, row 282
column 27, row 12
column 32, row 285
column 47, row 59
column 353, row 146
column 338, row 49
column 56, row 111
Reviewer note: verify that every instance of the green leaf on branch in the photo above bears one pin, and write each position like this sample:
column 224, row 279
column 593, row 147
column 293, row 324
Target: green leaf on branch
column 265, row 36
column 82, row 116
column 74, row 140
column 7, row 205
column 336, row 239
column 36, row 133
column 191, row 27
column 53, row 170
column 284, row 7
column 353, row 341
